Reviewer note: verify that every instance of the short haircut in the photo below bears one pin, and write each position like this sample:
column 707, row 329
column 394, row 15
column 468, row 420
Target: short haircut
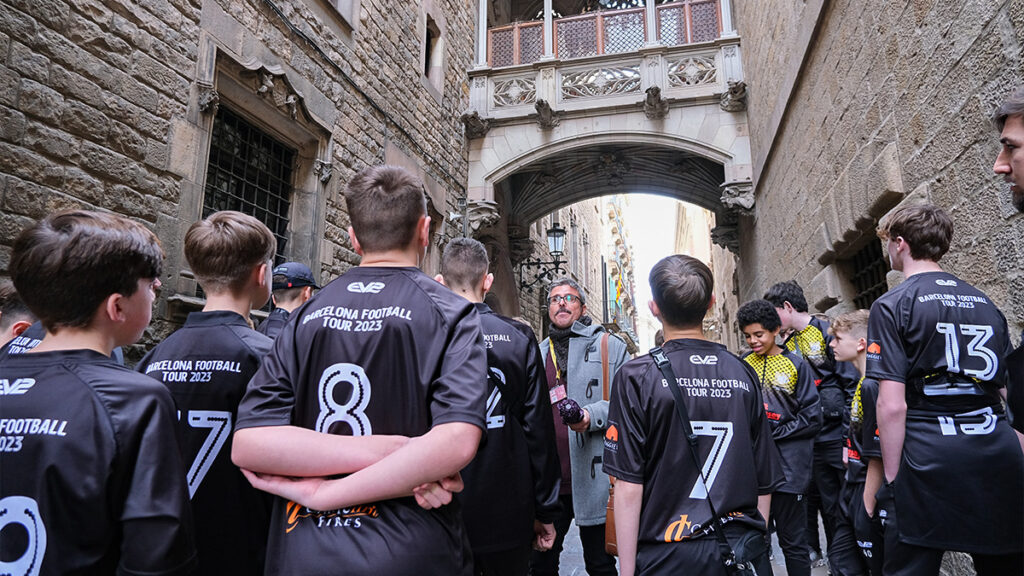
column 563, row 281
column 12, row 307
column 1012, row 106
column 788, row 291
column 682, row 287
column 67, row 264
column 286, row 294
column 853, row 323
column 384, row 205
column 464, row 263
column 758, row 312
column 926, row 228
column 223, row 248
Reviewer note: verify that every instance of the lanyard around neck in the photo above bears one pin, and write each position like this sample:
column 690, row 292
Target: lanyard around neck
column 554, row 359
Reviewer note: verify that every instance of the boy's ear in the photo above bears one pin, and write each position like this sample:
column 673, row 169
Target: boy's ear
column 862, row 344
column 423, row 229
column 355, row 241
column 440, row 280
column 711, row 303
column 20, row 326
column 653, row 307
column 488, row 281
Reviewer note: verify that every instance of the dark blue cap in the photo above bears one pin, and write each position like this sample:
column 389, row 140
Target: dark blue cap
column 297, row 275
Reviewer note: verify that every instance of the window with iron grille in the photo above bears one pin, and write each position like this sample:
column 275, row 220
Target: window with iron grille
column 869, row 269
column 251, row 172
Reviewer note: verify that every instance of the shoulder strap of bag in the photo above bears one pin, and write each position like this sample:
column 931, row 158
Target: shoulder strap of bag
column 604, row 364
column 691, row 438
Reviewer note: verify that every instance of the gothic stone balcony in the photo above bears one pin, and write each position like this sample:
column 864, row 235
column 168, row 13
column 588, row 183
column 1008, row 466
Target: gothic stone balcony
column 606, row 60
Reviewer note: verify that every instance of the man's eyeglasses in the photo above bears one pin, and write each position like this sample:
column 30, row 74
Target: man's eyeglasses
column 568, row 299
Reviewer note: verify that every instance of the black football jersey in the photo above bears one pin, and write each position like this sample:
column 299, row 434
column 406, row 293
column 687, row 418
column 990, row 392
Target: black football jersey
column 377, row 351
column 91, row 480
column 207, row 364
column 28, row 340
column 791, row 407
column 945, row 340
column 862, row 441
column 645, row 442
column 275, row 321
column 514, row 477
column 834, row 380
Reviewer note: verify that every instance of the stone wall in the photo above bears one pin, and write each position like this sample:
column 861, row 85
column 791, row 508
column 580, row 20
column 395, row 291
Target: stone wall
column 853, row 109
column 100, row 107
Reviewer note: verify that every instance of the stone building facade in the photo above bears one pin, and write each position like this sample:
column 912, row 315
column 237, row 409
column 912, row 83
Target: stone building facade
column 115, row 105
column 856, row 108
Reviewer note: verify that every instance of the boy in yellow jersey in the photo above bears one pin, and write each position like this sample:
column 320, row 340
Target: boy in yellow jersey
column 791, row 405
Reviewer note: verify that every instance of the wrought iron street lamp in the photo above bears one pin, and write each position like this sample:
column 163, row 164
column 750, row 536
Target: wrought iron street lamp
column 548, row 270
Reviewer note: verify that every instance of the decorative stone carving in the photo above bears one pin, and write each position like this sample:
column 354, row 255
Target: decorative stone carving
column 273, row 85
column 549, row 73
column 520, row 247
column 476, row 127
column 482, row 214
column 546, row 117
column 323, row 169
column 515, row 91
column 655, row 107
column 601, row 82
column 614, row 167
column 735, row 98
column 692, row 71
column 548, row 177
column 727, row 236
column 738, row 197
column 480, row 81
column 729, row 51
column 209, row 98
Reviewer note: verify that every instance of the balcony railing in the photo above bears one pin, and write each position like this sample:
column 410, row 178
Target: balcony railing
column 605, row 32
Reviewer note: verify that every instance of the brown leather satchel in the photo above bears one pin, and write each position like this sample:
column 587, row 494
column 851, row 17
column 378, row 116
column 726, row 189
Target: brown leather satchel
column 610, row 543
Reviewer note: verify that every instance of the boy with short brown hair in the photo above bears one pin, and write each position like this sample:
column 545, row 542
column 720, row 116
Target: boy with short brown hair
column 206, row 365
column 863, row 454
column 90, row 466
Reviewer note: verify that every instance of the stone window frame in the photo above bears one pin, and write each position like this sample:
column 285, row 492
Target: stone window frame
column 432, row 74
column 264, row 95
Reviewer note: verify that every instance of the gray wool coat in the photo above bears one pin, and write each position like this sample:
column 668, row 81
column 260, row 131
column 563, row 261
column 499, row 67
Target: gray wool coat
column 589, row 482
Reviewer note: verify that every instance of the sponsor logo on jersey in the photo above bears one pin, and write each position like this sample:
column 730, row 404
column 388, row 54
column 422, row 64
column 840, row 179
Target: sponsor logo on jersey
column 679, row 529
column 772, row 415
column 16, row 388
column 941, row 282
column 611, row 438
column 371, row 288
column 874, row 351
column 342, row 518
column 709, row 360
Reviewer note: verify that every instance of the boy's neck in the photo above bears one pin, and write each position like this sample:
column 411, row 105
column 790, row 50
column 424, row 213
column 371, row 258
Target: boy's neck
column 775, row 350
column 911, row 267
column 691, row 333
column 800, row 320
column 228, row 302
column 76, row 339
column 474, row 296
column 861, row 363
column 392, row 259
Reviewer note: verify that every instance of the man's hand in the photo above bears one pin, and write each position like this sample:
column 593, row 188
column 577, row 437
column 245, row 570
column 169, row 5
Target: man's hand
column 545, row 536
column 437, row 494
column 582, row 425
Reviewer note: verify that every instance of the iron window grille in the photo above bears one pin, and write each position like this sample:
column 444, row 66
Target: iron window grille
column 869, row 269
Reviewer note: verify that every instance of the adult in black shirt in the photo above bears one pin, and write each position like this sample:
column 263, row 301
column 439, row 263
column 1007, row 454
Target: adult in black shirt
column 381, row 351
column 661, row 500
column 955, row 467
column 293, row 286
column 511, row 494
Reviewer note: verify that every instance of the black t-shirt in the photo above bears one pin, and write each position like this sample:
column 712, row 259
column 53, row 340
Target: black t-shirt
column 514, row 477
column 89, row 469
column 206, row 365
column 275, row 321
column 945, row 340
column 377, row 351
column 645, row 443
column 791, row 406
column 34, row 334
column 862, row 441
column 834, row 380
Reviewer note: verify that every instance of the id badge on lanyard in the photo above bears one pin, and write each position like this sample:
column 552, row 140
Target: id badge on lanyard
column 556, row 393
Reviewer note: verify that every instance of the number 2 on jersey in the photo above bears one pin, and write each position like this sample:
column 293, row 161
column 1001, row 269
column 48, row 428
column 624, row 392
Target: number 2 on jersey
column 722, row 433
